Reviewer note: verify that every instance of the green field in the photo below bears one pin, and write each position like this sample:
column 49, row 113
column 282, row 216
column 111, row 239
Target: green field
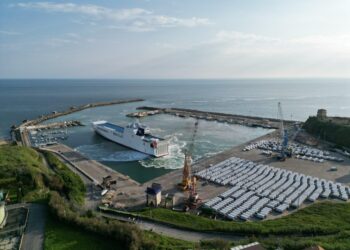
column 23, row 173
column 321, row 218
column 156, row 241
column 61, row 236
column 326, row 224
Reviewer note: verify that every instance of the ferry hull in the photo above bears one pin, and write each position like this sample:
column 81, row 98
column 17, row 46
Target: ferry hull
column 121, row 136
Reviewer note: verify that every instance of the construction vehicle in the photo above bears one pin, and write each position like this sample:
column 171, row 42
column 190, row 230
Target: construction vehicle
column 284, row 151
column 108, row 181
column 193, row 198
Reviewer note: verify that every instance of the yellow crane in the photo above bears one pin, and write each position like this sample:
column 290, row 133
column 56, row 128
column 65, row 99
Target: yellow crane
column 189, row 181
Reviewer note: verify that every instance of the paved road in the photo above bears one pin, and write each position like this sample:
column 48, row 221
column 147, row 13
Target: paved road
column 33, row 237
column 182, row 234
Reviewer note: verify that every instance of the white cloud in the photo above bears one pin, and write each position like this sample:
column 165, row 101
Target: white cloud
column 166, row 21
column 68, row 39
column 59, row 42
column 73, row 35
column 232, row 54
column 233, row 41
column 225, row 36
column 9, row 33
column 335, row 42
column 168, row 46
column 133, row 19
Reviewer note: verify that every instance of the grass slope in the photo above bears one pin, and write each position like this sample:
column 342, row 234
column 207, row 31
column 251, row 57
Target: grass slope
column 23, row 173
column 326, row 224
column 61, row 236
column 321, row 219
column 163, row 242
column 65, row 180
column 338, row 134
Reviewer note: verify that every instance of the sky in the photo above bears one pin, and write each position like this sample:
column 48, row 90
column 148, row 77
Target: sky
column 174, row 39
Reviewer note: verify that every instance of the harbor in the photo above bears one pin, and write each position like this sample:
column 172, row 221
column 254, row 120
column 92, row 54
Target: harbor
column 127, row 194
column 151, row 125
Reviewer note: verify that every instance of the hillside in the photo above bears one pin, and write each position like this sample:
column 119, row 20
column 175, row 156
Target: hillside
column 23, row 173
column 329, row 131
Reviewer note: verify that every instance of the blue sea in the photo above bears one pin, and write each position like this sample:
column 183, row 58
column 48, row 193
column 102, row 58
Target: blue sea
column 26, row 99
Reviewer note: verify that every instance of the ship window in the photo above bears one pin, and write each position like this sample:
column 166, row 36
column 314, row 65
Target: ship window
column 140, row 132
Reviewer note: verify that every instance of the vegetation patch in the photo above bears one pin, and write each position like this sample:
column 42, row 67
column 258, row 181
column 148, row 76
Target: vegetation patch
column 65, row 181
column 126, row 235
column 318, row 219
column 156, row 241
column 329, row 131
column 339, row 241
column 23, row 173
column 63, row 236
column 325, row 224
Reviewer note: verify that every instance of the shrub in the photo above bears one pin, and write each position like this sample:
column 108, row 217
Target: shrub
column 21, row 168
column 129, row 236
column 327, row 130
column 215, row 244
column 65, row 181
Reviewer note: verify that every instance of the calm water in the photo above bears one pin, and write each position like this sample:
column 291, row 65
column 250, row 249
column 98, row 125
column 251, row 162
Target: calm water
column 21, row 99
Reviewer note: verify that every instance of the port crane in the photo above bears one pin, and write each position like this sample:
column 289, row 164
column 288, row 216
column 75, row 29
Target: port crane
column 189, row 181
column 283, row 136
column 187, row 178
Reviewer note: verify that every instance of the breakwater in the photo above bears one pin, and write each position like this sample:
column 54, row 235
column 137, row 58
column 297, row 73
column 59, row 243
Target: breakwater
column 74, row 109
column 56, row 125
column 251, row 121
column 19, row 134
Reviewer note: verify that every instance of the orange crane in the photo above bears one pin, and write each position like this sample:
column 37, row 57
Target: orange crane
column 188, row 181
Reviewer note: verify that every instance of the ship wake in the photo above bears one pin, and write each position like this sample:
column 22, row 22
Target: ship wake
column 100, row 152
column 174, row 160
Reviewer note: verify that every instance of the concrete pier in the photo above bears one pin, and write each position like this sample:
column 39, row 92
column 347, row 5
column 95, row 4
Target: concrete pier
column 130, row 193
column 251, row 121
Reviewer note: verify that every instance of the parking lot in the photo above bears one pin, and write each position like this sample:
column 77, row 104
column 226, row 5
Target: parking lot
column 256, row 189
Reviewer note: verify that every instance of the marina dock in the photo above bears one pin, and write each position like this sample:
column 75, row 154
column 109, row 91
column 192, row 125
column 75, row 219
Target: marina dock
column 55, row 125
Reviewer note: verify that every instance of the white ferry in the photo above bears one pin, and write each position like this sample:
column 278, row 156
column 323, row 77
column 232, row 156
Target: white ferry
column 135, row 136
